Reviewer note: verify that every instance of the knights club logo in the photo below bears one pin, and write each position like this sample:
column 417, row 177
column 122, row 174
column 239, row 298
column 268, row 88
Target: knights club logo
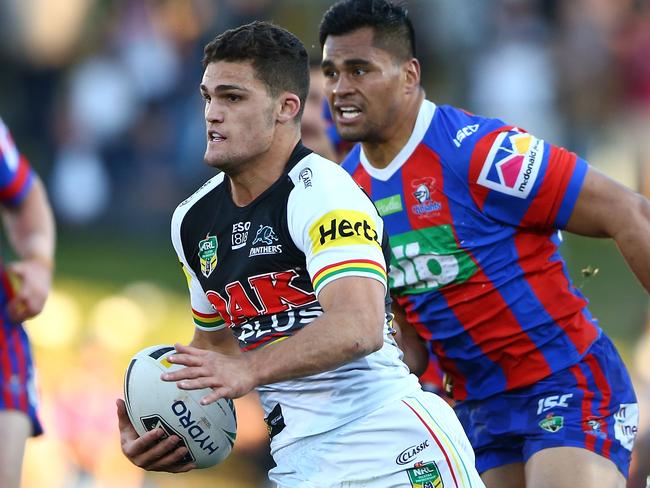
column 424, row 188
column 208, row 255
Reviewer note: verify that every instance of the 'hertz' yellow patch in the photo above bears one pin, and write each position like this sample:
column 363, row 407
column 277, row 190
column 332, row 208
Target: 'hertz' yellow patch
column 343, row 228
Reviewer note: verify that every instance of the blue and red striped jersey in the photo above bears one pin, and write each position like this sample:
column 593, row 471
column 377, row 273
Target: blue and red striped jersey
column 473, row 208
column 15, row 172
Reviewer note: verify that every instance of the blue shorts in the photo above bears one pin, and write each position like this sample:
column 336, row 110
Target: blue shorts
column 591, row 405
column 17, row 384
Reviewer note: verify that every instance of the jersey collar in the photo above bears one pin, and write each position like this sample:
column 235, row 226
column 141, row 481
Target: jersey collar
column 422, row 123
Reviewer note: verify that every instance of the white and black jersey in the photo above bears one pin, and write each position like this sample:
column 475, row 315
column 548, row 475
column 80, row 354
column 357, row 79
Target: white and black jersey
column 258, row 270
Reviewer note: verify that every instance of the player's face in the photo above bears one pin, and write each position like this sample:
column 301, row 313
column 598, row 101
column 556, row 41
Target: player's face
column 363, row 85
column 239, row 115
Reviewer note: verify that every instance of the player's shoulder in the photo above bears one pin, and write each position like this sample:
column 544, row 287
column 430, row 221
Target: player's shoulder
column 460, row 127
column 316, row 173
column 202, row 192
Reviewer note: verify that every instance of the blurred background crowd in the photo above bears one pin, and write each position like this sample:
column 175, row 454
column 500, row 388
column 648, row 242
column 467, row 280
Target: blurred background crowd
column 102, row 97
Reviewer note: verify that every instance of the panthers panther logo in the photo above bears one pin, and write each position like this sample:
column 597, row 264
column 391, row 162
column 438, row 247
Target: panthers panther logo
column 265, row 235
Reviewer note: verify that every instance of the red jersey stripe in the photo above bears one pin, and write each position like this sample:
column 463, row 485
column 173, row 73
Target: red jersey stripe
column 5, row 366
column 363, row 179
column 479, row 324
column 587, row 399
column 21, row 360
column 552, row 289
column 546, row 204
column 16, row 186
column 603, row 386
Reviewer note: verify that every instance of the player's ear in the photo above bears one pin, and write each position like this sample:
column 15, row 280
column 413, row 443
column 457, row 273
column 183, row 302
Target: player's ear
column 412, row 75
column 289, row 106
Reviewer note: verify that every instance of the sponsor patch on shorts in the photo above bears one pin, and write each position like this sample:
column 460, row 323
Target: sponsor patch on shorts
column 627, row 424
column 513, row 163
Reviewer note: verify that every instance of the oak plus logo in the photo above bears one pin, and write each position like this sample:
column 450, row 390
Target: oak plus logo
column 513, row 163
column 267, row 294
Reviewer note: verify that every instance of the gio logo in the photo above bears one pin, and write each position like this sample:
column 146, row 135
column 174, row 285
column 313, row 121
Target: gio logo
column 426, row 259
column 208, row 255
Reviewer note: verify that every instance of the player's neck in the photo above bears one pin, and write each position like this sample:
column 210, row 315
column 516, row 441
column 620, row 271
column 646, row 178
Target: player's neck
column 380, row 153
column 261, row 172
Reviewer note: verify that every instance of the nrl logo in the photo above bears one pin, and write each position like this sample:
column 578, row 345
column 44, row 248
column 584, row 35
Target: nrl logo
column 208, row 255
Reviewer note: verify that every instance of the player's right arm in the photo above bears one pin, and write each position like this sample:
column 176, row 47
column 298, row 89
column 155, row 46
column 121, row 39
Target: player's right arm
column 605, row 208
column 552, row 188
column 151, row 451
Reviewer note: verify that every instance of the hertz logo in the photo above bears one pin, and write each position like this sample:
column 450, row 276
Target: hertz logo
column 343, row 228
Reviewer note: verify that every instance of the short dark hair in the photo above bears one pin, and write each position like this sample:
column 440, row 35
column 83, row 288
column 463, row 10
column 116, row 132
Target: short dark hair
column 278, row 57
column 393, row 30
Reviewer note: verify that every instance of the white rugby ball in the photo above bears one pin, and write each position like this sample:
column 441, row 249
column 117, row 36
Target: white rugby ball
column 208, row 431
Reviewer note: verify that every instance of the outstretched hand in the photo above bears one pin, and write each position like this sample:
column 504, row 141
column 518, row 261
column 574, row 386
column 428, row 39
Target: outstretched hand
column 152, row 451
column 228, row 376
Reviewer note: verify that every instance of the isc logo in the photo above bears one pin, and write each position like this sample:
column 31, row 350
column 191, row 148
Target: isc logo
column 552, row 401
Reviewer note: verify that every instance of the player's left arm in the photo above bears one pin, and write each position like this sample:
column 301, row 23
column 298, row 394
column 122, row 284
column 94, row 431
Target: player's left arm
column 605, row 208
column 31, row 232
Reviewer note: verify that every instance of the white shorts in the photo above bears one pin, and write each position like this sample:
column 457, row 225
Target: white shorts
column 413, row 442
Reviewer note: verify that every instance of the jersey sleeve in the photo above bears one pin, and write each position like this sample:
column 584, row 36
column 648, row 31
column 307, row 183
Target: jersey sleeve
column 335, row 224
column 204, row 315
column 16, row 175
column 521, row 180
